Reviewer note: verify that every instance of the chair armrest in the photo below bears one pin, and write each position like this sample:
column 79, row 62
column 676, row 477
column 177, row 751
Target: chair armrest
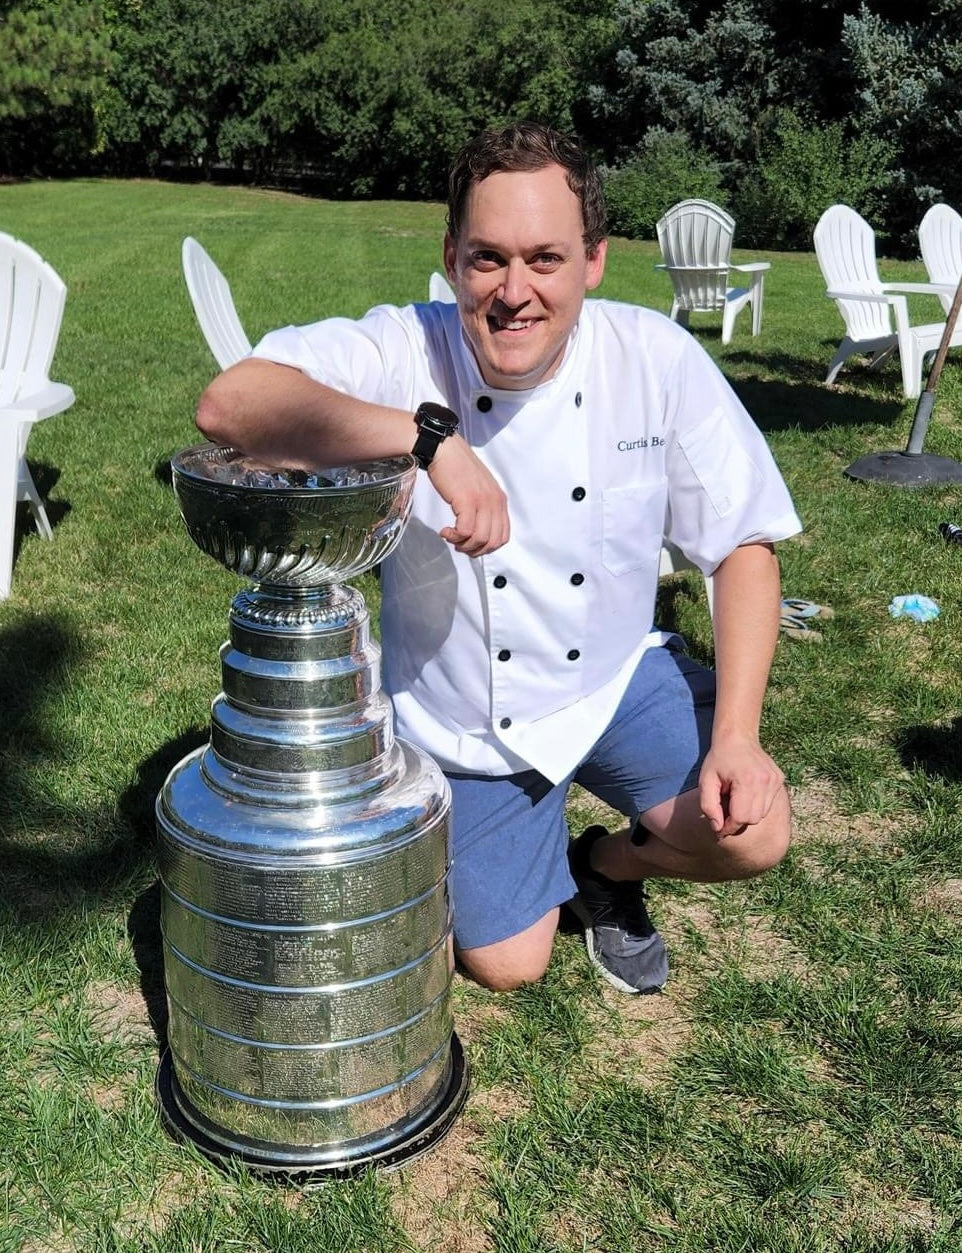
column 878, row 298
column 50, row 399
column 922, row 289
column 753, row 267
column 695, row 269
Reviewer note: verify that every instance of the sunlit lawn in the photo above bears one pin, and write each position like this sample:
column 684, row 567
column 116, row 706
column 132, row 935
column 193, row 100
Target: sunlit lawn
column 795, row 1089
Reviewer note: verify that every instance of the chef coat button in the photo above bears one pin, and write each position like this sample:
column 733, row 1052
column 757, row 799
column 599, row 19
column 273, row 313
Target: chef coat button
column 577, row 400
column 504, row 655
column 500, row 581
column 573, row 654
column 504, row 723
column 576, row 579
column 579, row 493
column 485, row 403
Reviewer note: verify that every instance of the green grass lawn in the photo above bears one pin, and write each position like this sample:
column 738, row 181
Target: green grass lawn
column 797, row 1086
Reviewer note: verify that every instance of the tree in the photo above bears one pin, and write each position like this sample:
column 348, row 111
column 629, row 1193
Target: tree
column 910, row 90
column 54, row 55
column 866, row 86
column 364, row 98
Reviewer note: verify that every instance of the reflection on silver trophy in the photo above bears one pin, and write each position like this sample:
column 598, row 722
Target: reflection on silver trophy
column 304, row 850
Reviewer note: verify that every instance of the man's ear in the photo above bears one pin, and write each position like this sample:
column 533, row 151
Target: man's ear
column 596, row 265
column 450, row 254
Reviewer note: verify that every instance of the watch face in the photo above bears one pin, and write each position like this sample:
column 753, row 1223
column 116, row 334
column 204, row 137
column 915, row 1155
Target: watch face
column 437, row 418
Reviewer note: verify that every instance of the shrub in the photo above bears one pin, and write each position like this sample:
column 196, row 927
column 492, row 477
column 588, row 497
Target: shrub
column 665, row 168
column 803, row 168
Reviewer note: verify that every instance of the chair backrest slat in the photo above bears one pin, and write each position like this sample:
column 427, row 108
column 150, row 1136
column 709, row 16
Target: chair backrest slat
column 940, row 242
column 213, row 303
column 32, row 297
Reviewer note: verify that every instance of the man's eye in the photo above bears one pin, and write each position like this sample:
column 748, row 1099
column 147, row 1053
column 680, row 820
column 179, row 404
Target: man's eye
column 486, row 261
column 546, row 261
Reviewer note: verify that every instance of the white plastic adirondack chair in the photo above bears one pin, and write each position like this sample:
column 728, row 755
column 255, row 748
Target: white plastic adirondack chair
column 845, row 248
column 696, row 242
column 940, row 241
column 213, row 303
column 673, row 560
column 440, row 289
column 32, row 297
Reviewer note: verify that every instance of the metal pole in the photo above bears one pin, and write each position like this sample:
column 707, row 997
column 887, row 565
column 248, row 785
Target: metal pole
column 923, row 410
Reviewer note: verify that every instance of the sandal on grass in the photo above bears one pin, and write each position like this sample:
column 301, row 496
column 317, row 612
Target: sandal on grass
column 797, row 628
column 806, row 609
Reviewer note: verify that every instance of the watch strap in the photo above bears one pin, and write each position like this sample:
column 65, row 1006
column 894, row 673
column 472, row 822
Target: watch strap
column 435, row 424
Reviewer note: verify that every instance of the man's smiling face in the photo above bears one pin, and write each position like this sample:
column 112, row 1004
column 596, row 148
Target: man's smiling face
column 520, row 271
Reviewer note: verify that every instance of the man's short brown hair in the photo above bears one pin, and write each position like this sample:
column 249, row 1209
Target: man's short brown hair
column 528, row 146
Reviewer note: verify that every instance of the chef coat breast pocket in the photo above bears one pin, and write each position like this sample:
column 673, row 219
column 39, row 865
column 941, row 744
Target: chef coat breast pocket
column 634, row 523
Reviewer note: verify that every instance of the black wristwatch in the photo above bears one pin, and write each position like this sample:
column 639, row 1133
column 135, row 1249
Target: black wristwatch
column 435, row 424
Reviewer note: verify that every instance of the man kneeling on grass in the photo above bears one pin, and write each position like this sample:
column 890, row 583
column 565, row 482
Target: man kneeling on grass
column 561, row 441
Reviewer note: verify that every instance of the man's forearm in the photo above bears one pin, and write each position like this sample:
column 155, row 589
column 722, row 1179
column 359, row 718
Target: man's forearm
column 279, row 414
column 746, row 601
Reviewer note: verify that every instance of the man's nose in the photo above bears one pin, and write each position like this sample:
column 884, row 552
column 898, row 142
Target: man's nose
column 515, row 291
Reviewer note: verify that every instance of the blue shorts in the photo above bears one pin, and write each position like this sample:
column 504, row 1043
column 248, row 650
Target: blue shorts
column 509, row 834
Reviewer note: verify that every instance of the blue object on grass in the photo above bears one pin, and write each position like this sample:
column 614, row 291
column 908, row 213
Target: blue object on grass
column 921, row 608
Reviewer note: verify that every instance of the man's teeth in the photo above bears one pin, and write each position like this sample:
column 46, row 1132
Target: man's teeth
column 516, row 325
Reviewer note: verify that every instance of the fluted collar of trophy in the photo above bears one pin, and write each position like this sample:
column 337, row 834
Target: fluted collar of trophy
column 292, row 531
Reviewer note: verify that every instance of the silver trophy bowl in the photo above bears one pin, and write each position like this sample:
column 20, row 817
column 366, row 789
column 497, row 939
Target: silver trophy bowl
column 303, row 852
column 292, row 528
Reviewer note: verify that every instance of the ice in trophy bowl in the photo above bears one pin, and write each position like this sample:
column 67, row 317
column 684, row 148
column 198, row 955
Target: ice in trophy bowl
column 303, row 852
column 289, row 528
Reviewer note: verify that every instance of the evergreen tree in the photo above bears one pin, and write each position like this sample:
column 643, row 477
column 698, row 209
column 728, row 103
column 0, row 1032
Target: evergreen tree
column 53, row 59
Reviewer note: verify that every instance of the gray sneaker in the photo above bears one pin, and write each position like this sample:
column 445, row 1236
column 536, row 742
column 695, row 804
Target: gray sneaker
column 622, row 943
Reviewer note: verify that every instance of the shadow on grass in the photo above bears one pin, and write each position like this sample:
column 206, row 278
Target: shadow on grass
column 45, row 478
column 936, row 751
column 56, row 857
column 673, row 591
column 807, row 404
column 143, row 930
column 57, row 860
column 163, row 473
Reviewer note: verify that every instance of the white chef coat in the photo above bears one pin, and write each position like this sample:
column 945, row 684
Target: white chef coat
column 518, row 659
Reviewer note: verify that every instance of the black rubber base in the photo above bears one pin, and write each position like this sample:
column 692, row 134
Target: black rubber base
column 905, row 469
column 309, row 1172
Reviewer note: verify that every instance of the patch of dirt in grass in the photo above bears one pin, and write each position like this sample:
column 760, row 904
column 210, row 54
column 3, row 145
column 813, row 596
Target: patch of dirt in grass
column 119, row 1012
column 819, row 819
column 437, row 1200
column 886, row 1213
column 944, row 897
column 766, row 954
column 638, row 1037
column 473, row 1017
column 715, row 936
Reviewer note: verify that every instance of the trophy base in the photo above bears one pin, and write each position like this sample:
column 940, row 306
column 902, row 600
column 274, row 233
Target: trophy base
column 309, row 1167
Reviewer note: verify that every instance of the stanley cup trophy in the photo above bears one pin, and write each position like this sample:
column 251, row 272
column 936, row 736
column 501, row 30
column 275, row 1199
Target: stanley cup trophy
column 304, row 850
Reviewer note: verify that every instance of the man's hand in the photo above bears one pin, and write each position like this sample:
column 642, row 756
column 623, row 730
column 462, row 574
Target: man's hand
column 737, row 786
column 479, row 504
